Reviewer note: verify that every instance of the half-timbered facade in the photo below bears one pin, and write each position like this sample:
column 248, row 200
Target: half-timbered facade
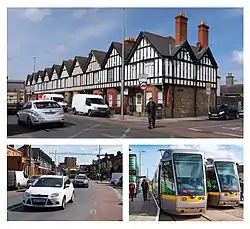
column 47, row 79
column 27, row 83
column 65, row 73
column 40, row 83
column 55, row 76
column 34, row 82
column 79, row 78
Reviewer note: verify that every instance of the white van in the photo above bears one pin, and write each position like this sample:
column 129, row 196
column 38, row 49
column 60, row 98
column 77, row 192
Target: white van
column 17, row 180
column 89, row 104
column 57, row 98
column 115, row 177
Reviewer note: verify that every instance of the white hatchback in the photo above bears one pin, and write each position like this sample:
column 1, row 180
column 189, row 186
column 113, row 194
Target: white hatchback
column 49, row 191
column 37, row 112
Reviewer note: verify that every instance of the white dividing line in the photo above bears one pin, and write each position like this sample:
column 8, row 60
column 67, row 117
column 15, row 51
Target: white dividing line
column 210, row 126
column 16, row 207
column 126, row 132
column 193, row 129
column 118, row 194
column 227, row 134
column 89, row 128
column 109, row 136
column 158, row 208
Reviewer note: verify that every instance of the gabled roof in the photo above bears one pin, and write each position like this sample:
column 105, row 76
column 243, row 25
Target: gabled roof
column 41, row 74
column 28, row 79
column 57, row 67
column 118, row 47
column 185, row 44
column 49, row 72
column 68, row 64
column 233, row 89
column 99, row 55
column 35, row 76
column 199, row 55
column 81, row 60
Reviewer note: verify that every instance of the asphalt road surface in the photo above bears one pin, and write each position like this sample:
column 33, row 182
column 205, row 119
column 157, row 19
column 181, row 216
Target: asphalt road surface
column 99, row 202
column 78, row 126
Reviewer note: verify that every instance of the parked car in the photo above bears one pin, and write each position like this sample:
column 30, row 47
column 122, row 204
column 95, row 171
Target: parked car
column 81, row 180
column 16, row 180
column 40, row 112
column 241, row 112
column 59, row 98
column 49, row 191
column 224, row 111
column 32, row 179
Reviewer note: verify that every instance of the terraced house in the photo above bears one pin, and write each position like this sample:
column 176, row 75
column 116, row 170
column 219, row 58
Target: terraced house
column 178, row 73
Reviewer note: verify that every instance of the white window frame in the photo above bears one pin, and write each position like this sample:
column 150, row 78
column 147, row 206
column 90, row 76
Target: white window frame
column 110, row 100
column 118, row 100
column 148, row 97
column 159, row 97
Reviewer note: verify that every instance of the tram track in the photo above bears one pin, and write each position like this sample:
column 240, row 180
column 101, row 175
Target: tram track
column 169, row 217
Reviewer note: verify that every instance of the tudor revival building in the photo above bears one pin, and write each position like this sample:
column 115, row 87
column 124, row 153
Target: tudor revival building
column 178, row 73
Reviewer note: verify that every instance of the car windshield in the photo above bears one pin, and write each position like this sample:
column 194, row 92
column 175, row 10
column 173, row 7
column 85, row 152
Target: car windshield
column 228, row 176
column 81, row 177
column 96, row 101
column 220, row 107
column 189, row 170
column 46, row 105
column 57, row 99
column 49, row 182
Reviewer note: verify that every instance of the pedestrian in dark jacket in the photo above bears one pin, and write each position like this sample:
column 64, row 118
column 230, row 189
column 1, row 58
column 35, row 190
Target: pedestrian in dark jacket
column 151, row 108
column 145, row 188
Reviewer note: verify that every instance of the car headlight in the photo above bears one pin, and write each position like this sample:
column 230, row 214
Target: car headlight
column 222, row 112
column 95, row 108
column 209, row 112
column 54, row 195
column 26, row 194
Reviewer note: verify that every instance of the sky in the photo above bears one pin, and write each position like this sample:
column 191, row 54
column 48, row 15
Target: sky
column 151, row 158
column 71, row 149
column 54, row 35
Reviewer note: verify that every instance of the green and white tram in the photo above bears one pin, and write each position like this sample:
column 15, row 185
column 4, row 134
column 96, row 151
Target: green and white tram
column 223, row 186
column 179, row 183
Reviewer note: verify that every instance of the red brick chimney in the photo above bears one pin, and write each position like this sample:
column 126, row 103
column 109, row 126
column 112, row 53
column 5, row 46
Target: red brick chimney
column 180, row 28
column 203, row 34
column 129, row 41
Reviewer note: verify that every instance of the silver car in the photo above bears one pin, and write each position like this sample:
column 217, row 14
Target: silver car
column 81, row 180
column 37, row 112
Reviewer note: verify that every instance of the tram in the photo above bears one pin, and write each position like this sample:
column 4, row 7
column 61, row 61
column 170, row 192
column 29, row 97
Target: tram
column 223, row 186
column 179, row 183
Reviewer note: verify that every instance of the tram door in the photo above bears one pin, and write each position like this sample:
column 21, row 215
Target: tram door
column 168, row 190
column 212, row 187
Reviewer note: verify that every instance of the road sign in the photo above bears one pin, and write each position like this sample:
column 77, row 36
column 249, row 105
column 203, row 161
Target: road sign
column 143, row 78
column 143, row 86
column 208, row 89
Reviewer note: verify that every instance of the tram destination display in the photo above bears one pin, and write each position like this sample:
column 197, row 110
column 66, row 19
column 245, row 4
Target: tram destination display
column 186, row 157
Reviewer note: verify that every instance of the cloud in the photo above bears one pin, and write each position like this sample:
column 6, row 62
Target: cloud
column 35, row 14
column 236, row 12
column 81, row 13
column 237, row 57
column 61, row 49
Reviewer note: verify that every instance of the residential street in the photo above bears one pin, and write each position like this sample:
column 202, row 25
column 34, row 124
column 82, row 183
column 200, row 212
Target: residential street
column 90, row 204
column 78, row 126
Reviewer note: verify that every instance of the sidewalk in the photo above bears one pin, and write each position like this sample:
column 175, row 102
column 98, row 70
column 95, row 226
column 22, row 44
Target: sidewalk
column 128, row 118
column 142, row 211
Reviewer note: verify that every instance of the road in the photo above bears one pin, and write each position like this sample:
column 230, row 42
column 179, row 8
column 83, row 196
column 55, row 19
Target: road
column 99, row 202
column 78, row 126
column 212, row 214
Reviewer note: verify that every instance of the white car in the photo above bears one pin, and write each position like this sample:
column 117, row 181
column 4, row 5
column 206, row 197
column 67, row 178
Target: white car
column 37, row 112
column 49, row 191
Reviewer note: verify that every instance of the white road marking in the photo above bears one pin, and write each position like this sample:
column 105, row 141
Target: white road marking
column 16, row 207
column 21, row 136
column 220, row 125
column 109, row 136
column 233, row 128
column 194, row 129
column 126, row 132
column 118, row 194
column 87, row 129
column 227, row 134
column 158, row 208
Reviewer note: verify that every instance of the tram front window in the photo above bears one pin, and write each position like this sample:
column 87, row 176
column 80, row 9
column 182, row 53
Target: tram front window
column 228, row 176
column 189, row 169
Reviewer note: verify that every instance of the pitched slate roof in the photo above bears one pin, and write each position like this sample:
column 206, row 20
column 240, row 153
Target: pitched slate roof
column 99, row 55
column 68, row 64
column 233, row 89
column 49, row 72
column 82, row 61
column 57, row 67
column 35, row 76
column 28, row 79
column 41, row 73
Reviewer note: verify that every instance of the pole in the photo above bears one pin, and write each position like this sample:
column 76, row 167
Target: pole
column 55, row 162
column 123, row 65
column 140, row 163
column 144, row 103
column 34, row 64
column 99, row 159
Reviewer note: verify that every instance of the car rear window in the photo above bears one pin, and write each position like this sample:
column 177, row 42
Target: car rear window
column 46, row 105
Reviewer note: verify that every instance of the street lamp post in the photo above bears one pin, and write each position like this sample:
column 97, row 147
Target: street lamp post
column 123, row 65
column 141, row 151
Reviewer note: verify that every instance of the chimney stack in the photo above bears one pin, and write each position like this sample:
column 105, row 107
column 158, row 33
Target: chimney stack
column 180, row 28
column 229, row 79
column 129, row 41
column 203, row 34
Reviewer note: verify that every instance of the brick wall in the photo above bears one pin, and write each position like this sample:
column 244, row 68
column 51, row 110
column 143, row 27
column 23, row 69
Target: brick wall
column 202, row 101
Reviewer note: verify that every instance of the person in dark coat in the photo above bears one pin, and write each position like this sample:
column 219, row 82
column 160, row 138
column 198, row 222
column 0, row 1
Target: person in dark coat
column 145, row 188
column 151, row 108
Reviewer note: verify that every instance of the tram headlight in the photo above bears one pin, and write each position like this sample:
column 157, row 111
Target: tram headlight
column 184, row 198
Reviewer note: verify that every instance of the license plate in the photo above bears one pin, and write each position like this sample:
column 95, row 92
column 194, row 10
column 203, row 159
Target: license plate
column 48, row 113
column 214, row 114
column 39, row 200
column 103, row 111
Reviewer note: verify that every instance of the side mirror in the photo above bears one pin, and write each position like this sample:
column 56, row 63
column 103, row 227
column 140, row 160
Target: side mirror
column 66, row 186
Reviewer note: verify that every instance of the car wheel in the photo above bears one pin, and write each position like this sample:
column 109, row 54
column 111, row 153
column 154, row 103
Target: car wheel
column 18, row 186
column 29, row 123
column 61, row 124
column 72, row 198
column 18, row 120
column 63, row 203
column 74, row 111
column 226, row 117
column 89, row 113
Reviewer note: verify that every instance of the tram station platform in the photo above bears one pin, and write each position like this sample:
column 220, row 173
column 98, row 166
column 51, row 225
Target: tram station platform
column 140, row 210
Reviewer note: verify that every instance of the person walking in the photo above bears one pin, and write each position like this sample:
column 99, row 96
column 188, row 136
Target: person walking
column 101, row 178
column 151, row 108
column 131, row 191
column 145, row 189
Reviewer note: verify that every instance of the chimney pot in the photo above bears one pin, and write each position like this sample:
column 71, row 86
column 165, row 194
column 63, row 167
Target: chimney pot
column 229, row 79
column 203, row 34
column 129, row 41
column 180, row 28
